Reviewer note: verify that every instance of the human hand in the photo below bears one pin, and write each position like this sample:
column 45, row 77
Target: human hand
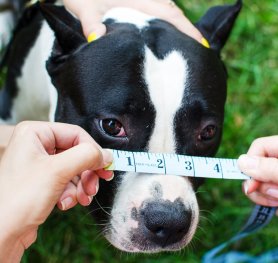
column 5, row 135
column 261, row 163
column 37, row 166
column 90, row 14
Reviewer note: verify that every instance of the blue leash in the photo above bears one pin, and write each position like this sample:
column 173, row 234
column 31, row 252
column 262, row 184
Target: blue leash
column 261, row 216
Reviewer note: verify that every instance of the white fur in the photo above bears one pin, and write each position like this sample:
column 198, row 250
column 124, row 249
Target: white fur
column 166, row 81
column 128, row 15
column 32, row 101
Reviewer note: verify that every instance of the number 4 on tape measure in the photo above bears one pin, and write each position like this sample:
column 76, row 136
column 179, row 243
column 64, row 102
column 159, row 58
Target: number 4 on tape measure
column 174, row 164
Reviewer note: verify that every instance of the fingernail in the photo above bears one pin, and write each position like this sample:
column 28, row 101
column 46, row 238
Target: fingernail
column 246, row 186
column 92, row 37
column 107, row 157
column 110, row 179
column 90, row 199
column 272, row 192
column 248, row 162
column 66, row 203
column 97, row 187
column 205, row 43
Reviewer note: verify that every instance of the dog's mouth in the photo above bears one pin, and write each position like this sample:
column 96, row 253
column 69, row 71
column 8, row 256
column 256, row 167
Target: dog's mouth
column 158, row 214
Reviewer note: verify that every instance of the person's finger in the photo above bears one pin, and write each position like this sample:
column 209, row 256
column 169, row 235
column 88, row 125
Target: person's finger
column 90, row 16
column 104, row 174
column 264, row 169
column 75, row 180
column 269, row 190
column 54, row 137
column 263, row 200
column 68, row 198
column 78, row 159
column 82, row 197
column 68, row 135
column 90, row 183
column 265, row 146
column 250, row 186
column 93, row 28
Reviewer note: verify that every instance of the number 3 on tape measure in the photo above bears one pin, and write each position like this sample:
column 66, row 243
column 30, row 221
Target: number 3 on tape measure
column 188, row 165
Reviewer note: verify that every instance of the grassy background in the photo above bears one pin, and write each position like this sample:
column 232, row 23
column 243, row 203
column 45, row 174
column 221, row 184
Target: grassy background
column 251, row 57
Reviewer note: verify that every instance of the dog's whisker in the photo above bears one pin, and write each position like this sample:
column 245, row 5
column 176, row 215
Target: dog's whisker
column 98, row 235
column 200, row 191
column 97, row 209
column 96, row 200
column 88, row 224
column 201, row 229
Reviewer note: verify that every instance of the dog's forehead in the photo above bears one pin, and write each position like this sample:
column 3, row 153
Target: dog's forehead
column 129, row 32
column 160, row 35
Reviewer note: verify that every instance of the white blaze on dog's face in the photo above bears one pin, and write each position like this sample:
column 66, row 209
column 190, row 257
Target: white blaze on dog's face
column 157, row 212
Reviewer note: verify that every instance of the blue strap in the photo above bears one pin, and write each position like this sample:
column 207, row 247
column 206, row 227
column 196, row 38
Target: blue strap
column 261, row 216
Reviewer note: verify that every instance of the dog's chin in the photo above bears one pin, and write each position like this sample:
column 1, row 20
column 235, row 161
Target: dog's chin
column 141, row 245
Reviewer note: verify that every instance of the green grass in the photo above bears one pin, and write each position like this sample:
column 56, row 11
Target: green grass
column 251, row 56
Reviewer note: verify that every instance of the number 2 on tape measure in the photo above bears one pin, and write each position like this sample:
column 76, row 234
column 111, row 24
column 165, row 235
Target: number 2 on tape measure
column 160, row 165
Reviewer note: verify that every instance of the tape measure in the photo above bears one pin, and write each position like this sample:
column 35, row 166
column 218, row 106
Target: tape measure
column 175, row 164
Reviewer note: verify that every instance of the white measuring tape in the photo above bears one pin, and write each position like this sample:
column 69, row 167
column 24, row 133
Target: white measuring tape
column 174, row 164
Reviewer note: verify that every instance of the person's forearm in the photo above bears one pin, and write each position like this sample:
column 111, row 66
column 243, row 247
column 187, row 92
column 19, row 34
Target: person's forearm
column 5, row 135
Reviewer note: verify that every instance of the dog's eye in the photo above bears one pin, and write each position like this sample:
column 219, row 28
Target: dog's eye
column 112, row 127
column 207, row 133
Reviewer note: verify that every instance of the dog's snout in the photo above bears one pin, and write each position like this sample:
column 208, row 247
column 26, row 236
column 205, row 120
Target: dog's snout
column 165, row 222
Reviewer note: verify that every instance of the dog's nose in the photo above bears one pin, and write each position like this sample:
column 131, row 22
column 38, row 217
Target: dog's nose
column 165, row 222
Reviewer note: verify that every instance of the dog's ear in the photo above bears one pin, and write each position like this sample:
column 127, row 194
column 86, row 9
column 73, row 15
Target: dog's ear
column 67, row 29
column 217, row 24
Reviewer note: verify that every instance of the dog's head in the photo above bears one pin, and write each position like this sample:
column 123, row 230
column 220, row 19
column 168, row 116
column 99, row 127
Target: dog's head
column 144, row 86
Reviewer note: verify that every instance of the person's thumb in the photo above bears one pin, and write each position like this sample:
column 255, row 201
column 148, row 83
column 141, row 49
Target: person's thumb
column 92, row 26
column 78, row 159
column 264, row 169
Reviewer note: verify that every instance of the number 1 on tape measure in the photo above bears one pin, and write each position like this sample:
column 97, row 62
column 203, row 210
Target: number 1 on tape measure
column 174, row 164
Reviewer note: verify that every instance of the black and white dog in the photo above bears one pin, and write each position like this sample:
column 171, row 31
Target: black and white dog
column 144, row 86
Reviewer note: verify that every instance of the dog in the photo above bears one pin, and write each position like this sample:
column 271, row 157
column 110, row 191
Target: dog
column 144, row 86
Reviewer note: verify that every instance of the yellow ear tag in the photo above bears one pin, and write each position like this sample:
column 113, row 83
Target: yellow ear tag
column 92, row 37
column 205, row 43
